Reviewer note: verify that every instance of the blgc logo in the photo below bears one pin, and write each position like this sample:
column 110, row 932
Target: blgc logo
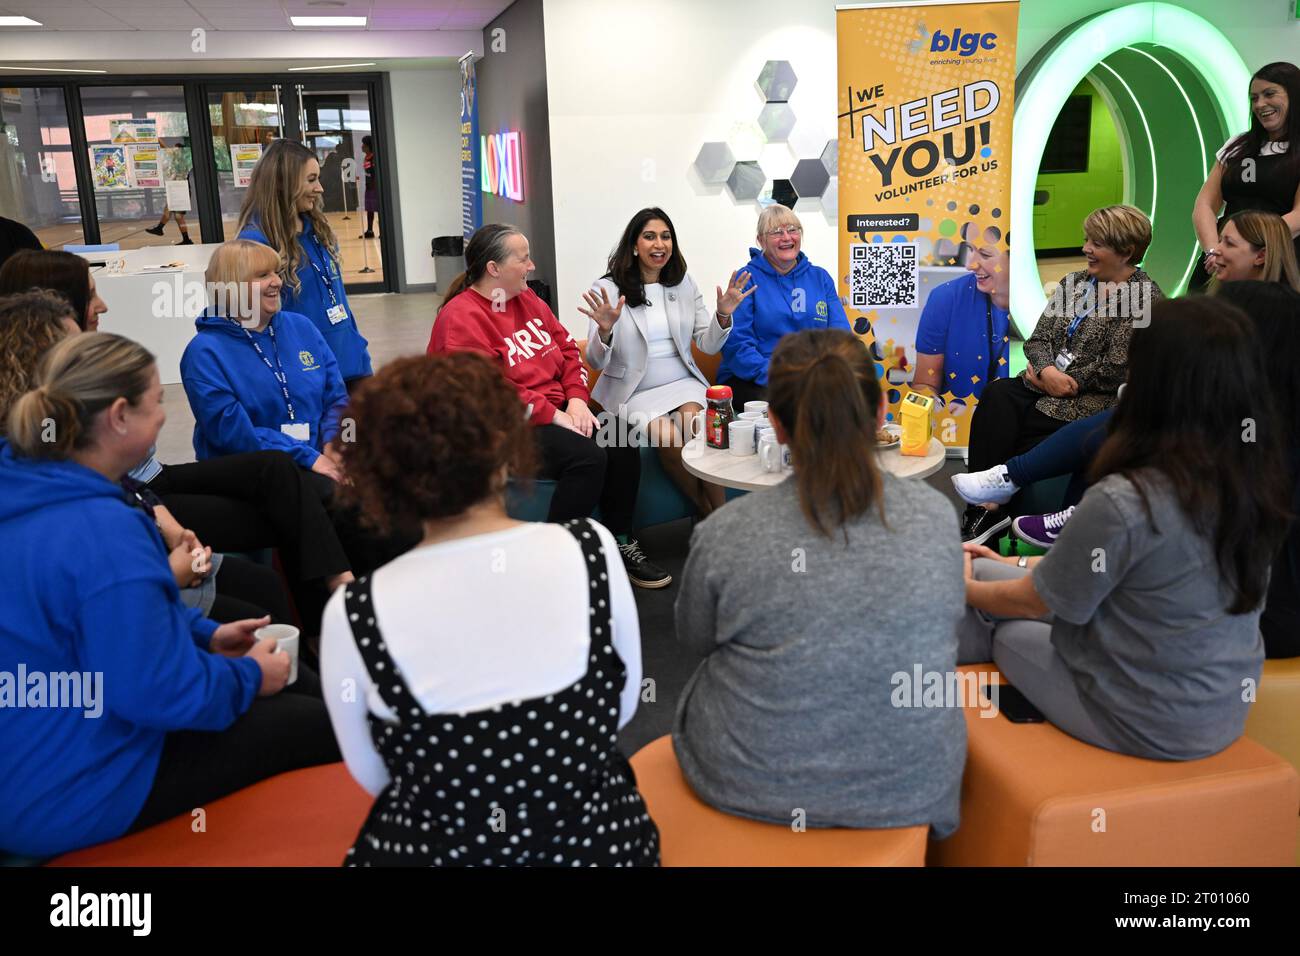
column 963, row 43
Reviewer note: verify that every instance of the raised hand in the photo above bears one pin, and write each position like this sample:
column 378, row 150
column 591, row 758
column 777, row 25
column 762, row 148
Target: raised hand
column 736, row 292
column 602, row 313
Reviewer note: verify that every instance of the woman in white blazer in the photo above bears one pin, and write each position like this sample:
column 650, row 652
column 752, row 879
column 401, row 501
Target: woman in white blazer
column 648, row 375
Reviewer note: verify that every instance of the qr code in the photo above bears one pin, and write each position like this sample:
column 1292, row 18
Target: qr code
column 882, row 274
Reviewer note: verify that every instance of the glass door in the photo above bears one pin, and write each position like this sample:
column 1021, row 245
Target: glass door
column 141, row 164
column 243, row 123
column 338, row 126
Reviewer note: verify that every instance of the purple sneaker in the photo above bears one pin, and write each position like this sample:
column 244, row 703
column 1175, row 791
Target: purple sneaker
column 1041, row 530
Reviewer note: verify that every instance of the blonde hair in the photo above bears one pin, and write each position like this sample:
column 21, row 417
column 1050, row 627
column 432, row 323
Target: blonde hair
column 776, row 215
column 271, row 204
column 1123, row 228
column 78, row 379
column 1264, row 230
column 232, row 264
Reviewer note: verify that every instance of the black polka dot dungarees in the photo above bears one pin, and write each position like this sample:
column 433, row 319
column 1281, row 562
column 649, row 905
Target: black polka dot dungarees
column 531, row 783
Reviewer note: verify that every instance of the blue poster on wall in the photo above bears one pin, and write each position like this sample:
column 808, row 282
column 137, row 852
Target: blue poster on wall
column 471, row 199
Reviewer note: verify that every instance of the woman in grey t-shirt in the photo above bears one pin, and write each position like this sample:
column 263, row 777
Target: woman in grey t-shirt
column 816, row 702
column 1139, row 630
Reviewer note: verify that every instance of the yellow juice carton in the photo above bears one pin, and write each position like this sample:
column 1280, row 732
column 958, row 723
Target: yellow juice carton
column 914, row 416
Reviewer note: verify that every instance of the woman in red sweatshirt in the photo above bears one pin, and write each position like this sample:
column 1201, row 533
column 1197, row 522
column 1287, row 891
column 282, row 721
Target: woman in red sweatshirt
column 490, row 309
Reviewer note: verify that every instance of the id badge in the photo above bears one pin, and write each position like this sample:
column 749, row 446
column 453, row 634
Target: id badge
column 1064, row 359
column 299, row 431
column 337, row 313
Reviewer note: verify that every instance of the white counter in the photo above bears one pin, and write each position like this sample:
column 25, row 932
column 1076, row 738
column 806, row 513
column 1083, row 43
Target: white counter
column 151, row 304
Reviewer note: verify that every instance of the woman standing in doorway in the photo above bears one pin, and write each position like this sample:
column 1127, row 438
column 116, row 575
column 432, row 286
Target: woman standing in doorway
column 283, row 210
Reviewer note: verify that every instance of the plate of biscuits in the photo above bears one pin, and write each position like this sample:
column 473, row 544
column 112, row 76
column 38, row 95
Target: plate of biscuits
column 889, row 436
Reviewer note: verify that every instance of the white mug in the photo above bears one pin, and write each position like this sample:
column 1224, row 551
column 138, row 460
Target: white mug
column 286, row 641
column 769, row 454
column 741, row 438
column 760, row 407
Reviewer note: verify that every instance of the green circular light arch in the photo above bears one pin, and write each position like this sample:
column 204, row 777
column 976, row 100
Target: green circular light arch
column 1170, row 78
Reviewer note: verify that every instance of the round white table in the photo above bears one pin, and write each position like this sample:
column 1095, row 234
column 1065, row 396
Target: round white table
column 745, row 472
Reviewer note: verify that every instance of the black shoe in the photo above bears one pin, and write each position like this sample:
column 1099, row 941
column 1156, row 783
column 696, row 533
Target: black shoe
column 640, row 570
column 155, row 231
column 368, row 235
column 187, row 241
column 978, row 525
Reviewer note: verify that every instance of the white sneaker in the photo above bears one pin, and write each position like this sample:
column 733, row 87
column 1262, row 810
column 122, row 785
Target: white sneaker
column 986, row 487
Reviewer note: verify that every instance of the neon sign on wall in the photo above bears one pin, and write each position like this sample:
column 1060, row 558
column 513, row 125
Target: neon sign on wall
column 503, row 165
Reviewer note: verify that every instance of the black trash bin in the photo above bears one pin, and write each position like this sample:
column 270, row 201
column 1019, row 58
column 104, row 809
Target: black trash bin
column 448, row 259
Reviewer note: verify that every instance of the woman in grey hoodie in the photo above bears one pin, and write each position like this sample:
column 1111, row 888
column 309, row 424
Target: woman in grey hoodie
column 822, row 606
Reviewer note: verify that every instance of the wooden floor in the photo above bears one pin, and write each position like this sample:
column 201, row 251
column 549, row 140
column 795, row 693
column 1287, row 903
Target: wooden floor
column 395, row 325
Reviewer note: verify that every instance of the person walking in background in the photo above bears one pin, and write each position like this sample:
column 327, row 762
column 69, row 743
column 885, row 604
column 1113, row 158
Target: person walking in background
column 371, row 170
column 178, row 160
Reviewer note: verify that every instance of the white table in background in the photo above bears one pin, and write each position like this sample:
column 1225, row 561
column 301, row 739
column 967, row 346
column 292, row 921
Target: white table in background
column 745, row 472
column 157, row 316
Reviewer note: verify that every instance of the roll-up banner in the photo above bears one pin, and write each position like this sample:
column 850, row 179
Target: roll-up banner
column 471, row 199
column 926, row 93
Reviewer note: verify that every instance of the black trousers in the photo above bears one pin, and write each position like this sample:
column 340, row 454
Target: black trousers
column 743, row 390
column 246, row 589
column 1006, row 423
column 288, row 731
column 366, row 548
column 586, row 474
column 255, row 500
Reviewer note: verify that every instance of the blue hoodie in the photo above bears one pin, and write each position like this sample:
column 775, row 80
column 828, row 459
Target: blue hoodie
column 88, row 590
column 313, row 300
column 774, row 310
column 237, row 401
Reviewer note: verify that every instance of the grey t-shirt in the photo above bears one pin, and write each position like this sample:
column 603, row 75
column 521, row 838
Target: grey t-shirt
column 1141, row 621
column 793, row 707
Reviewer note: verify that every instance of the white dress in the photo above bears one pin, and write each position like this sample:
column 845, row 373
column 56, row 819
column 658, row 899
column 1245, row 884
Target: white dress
column 668, row 383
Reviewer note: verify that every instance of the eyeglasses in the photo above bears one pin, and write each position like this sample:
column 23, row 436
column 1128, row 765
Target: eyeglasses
column 794, row 232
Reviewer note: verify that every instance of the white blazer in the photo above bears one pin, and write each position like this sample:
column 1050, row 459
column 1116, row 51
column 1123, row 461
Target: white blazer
column 622, row 363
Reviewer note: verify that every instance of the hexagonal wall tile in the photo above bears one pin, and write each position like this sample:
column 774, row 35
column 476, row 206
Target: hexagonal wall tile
column 776, row 81
column 746, row 181
column 776, row 120
column 831, row 199
column 831, row 157
column 807, row 139
column 777, row 161
column 714, row 163
column 746, row 140
column 809, row 178
column 780, row 191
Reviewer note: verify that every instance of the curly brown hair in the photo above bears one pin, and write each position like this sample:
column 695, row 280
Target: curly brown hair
column 31, row 323
column 430, row 436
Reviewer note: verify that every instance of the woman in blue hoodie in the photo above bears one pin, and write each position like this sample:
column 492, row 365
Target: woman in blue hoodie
column 258, row 376
column 118, row 706
column 792, row 294
column 282, row 209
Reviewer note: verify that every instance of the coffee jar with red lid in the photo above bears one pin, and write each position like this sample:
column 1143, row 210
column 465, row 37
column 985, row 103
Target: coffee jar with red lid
column 718, row 415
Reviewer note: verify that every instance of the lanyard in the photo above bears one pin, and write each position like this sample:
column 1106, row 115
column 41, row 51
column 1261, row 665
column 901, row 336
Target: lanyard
column 993, row 349
column 1074, row 325
column 279, row 375
column 329, row 283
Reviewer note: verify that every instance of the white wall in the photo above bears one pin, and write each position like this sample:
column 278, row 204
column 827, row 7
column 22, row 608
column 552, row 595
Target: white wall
column 673, row 75
column 678, row 73
column 426, row 123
